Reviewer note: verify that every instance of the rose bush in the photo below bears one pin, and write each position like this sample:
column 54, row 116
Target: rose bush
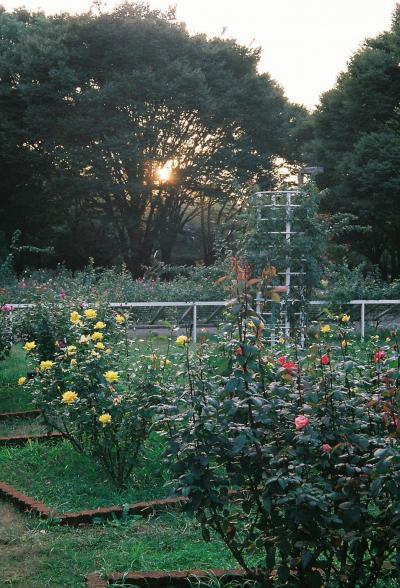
column 310, row 445
column 98, row 390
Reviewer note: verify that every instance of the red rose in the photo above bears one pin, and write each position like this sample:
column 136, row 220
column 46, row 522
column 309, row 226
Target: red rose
column 239, row 351
column 325, row 360
column 289, row 365
column 379, row 356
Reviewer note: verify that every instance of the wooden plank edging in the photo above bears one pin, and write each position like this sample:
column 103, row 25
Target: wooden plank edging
column 162, row 579
column 84, row 517
column 22, row 439
column 23, row 414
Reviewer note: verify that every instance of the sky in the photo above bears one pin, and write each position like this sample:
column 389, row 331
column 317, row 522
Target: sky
column 305, row 43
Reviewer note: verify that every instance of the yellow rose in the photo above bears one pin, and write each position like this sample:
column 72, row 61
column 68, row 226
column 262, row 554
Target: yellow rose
column 281, row 340
column 71, row 350
column 45, row 365
column 260, row 325
column 99, row 345
column 105, row 419
column 90, row 313
column 69, row 397
column 325, row 329
column 108, row 351
column 100, row 325
column 181, row 340
column 345, row 318
column 84, row 339
column 29, row 345
column 120, row 319
column 75, row 317
column 344, row 344
column 72, row 362
column 111, row 376
column 21, row 381
column 97, row 336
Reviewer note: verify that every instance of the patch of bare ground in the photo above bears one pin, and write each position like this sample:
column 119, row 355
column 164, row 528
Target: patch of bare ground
column 20, row 548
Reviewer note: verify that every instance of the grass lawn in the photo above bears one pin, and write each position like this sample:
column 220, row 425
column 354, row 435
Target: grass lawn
column 17, row 427
column 56, row 474
column 13, row 397
column 34, row 554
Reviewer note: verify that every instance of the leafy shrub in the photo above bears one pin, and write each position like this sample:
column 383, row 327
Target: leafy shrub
column 166, row 283
column 310, row 442
column 97, row 390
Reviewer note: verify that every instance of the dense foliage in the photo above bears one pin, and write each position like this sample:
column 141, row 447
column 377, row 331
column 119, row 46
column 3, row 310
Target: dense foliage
column 308, row 439
column 98, row 104
column 355, row 136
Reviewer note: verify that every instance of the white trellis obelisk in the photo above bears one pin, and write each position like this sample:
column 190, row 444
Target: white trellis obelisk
column 272, row 203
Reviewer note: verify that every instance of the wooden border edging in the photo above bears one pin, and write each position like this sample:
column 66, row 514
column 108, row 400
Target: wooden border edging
column 84, row 517
column 87, row 517
column 22, row 439
column 162, row 579
column 25, row 502
column 27, row 414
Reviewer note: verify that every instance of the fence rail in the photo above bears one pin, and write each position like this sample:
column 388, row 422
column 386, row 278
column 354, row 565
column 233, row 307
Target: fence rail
column 362, row 304
column 188, row 306
column 193, row 307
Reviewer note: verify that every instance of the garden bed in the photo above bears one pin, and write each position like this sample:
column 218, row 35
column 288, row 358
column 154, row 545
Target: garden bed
column 85, row 517
column 35, row 554
column 67, row 482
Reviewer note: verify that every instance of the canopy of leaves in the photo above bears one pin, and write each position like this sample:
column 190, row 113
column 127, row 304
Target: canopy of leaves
column 355, row 137
column 93, row 105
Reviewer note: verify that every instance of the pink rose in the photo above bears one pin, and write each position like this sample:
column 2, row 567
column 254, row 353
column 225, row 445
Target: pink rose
column 7, row 308
column 326, row 448
column 301, row 422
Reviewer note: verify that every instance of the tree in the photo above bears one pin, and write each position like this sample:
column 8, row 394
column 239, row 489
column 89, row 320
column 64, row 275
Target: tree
column 355, row 137
column 126, row 127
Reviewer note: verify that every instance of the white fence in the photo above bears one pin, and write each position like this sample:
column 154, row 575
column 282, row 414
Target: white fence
column 362, row 304
column 192, row 307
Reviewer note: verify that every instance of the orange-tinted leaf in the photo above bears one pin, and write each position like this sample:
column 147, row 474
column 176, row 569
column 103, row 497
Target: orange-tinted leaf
column 220, row 280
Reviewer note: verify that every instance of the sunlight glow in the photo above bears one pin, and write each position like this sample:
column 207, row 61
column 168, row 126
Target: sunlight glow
column 164, row 173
